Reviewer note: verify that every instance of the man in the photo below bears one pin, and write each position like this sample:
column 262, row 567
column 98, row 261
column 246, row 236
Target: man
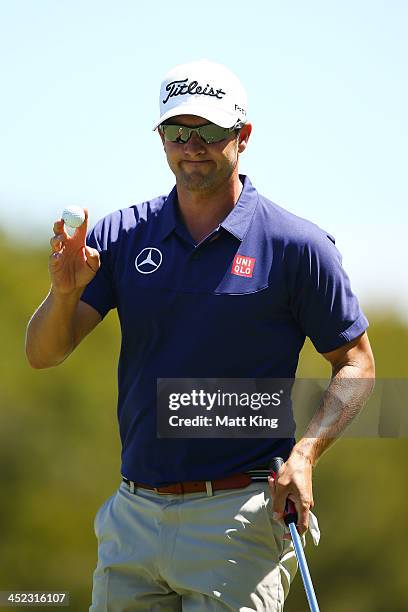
column 195, row 525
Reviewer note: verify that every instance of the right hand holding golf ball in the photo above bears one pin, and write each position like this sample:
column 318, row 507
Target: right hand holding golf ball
column 72, row 263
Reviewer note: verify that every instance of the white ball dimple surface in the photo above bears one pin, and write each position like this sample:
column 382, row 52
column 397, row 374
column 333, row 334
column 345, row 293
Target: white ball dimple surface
column 73, row 216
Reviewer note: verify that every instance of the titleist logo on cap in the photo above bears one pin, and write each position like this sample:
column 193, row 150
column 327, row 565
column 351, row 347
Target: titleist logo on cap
column 182, row 87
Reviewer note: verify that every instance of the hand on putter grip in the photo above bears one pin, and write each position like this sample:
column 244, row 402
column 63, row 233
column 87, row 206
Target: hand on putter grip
column 72, row 263
column 292, row 493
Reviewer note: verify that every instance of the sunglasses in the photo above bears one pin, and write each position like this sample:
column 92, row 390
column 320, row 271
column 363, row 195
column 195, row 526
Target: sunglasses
column 210, row 132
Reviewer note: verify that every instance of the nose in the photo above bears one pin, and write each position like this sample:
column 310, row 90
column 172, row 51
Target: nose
column 194, row 145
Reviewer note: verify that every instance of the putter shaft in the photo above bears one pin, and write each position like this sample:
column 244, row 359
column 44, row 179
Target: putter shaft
column 290, row 519
column 304, row 570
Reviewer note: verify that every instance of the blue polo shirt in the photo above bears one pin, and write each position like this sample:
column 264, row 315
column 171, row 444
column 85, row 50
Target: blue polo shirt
column 237, row 305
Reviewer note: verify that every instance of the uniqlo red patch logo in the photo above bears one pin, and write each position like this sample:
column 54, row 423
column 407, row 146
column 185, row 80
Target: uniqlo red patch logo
column 243, row 266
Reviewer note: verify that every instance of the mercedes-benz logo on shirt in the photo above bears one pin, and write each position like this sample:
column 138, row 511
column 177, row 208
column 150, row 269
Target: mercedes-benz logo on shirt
column 148, row 260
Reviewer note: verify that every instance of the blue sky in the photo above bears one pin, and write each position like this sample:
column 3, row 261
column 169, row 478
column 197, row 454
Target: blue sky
column 328, row 97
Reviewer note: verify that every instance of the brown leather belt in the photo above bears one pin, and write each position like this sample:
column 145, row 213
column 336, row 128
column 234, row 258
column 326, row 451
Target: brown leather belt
column 237, row 481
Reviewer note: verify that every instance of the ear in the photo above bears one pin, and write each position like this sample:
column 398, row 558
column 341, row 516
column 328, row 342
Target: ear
column 243, row 138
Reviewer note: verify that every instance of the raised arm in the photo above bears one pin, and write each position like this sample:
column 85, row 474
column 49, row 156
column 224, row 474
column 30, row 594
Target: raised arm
column 62, row 320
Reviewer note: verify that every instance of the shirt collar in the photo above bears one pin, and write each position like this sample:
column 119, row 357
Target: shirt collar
column 169, row 217
column 237, row 221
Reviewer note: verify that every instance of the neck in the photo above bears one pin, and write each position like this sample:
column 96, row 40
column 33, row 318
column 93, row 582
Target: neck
column 202, row 212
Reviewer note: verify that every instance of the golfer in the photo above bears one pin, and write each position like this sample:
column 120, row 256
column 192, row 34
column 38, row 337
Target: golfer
column 212, row 280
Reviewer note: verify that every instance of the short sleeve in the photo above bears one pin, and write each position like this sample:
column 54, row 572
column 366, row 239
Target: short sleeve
column 322, row 301
column 100, row 292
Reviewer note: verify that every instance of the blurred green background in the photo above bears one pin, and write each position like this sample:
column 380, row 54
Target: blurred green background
column 60, row 458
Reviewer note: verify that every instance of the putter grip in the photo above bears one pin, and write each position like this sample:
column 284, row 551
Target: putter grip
column 290, row 515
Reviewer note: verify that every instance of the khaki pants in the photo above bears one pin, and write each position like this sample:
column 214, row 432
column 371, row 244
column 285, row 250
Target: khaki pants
column 191, row 553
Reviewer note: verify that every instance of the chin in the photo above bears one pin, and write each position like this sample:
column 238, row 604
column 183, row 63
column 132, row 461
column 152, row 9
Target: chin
column 197, row 182
column 198, row 187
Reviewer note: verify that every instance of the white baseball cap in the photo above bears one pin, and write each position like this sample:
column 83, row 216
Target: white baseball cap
column 204, row 89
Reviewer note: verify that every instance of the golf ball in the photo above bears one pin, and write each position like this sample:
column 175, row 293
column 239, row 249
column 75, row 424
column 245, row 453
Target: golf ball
column 73, row 216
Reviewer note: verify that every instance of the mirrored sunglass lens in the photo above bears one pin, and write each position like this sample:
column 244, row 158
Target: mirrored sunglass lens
column 183, row 133
column 213, row 133
column 174, row 133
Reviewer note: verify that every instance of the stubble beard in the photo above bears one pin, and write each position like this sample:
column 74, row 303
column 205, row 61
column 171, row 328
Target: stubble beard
column 206, row 183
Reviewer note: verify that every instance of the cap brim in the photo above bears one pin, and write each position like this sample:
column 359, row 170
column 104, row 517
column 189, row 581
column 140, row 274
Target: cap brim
column 215, row 115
